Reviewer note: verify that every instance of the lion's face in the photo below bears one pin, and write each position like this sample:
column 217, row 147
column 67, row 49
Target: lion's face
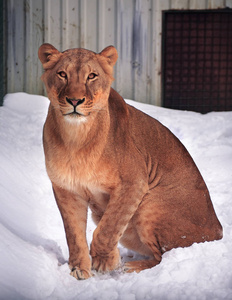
column 77, row 81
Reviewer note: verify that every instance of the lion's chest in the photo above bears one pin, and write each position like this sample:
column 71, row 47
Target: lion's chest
column 73, row 170
column 80, row 176
column 67, row 169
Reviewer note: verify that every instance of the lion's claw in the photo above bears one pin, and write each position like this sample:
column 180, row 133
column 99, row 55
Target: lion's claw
column 80, row 274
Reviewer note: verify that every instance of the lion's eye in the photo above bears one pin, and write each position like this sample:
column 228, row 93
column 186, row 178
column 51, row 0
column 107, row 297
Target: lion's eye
column 62, row 74
column 92, row 76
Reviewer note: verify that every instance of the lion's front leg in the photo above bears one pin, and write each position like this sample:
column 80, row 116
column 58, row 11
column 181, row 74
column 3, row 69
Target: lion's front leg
column 73, row 210
column 120, row 209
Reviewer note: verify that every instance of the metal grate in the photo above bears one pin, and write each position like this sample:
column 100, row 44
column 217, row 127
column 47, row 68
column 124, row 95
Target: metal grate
column 197, row 60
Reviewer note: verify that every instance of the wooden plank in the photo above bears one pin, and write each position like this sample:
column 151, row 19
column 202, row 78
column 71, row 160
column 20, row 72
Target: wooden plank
column 2, row 52
column 91, row 26
column 70, row 24
column 197, row 4
column 141, row 52
column 117, row 84
column 150, row 55
column 33, row 39
column 228, row 3
column 101, row 24
column 179, row 4
column 88, row 24
column 215, row 4
column 52, row 23
column 15, row 45
column 107, row 28
column 158, row 7
column 106, row 24
column 82, row 23
column 124, row 46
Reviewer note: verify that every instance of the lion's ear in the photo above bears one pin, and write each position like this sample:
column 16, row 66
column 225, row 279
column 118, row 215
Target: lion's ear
column 48, row 55
column 111, row 54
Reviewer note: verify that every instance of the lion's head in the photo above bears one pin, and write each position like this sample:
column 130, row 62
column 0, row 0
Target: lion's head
column 77, row 80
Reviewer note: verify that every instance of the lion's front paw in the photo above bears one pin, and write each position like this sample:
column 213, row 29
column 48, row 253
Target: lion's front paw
column 106, row 263
column 81, row 274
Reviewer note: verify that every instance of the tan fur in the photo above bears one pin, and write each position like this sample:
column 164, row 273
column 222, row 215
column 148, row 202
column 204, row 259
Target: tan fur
column 140, row 182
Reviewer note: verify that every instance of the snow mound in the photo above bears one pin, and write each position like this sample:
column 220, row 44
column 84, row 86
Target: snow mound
column 33, row 249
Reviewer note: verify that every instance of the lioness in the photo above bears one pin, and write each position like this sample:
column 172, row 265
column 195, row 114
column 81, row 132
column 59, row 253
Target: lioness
column 140, row 182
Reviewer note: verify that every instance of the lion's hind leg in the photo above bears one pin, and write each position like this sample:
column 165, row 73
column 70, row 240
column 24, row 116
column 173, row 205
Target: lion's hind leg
column 141, row 237
column 151, row 245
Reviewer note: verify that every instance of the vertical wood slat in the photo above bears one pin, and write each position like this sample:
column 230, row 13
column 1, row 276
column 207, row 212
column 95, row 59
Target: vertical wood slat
column 134, row 27
column 2, row 51
column 124, row 64
column 214, row 4
column 53, row 25
column 228, row 3
column 106, row 24
column 179, row 4
column 158, row 7
column 198, row 4
column 107, row 28
column 141, row 50
column 83, row 16
column 70, row 24
column 16, row 45
column 118, row 44
column 33, row 36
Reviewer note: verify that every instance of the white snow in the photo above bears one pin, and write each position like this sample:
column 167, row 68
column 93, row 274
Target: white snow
column 33, row 249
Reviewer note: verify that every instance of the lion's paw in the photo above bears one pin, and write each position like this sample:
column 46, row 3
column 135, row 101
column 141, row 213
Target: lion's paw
column 139, row 265
column 80, row 274
column 108, row 262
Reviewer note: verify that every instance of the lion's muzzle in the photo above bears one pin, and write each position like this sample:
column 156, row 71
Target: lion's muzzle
column 75, row 102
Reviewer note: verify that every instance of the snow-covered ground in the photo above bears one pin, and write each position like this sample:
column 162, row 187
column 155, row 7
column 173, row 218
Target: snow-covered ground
column 33, row 250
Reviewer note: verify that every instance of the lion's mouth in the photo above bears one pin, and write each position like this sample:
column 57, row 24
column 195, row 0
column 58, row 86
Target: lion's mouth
column 73, row 113
column 74, row 117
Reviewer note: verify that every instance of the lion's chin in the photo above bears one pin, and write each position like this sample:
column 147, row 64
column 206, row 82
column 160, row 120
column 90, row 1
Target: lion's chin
column 75, row 118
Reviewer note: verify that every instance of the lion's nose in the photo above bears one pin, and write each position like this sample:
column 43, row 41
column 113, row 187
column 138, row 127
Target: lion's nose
column 74, row 102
